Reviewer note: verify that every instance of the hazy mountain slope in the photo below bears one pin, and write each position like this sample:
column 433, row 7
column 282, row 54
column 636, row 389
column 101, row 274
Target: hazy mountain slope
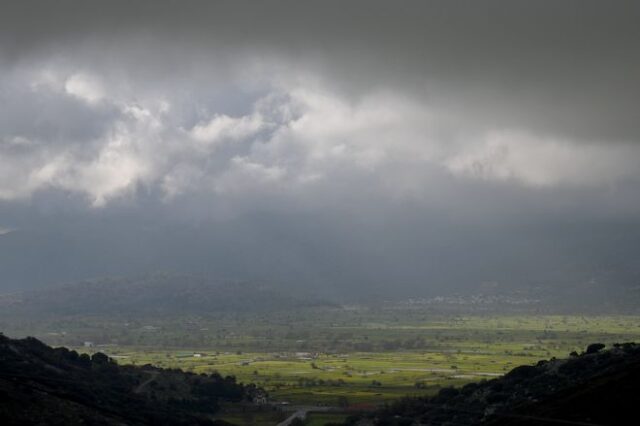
column 369, row 258
column 597, row 388
column 155, row 294
column 42, row 385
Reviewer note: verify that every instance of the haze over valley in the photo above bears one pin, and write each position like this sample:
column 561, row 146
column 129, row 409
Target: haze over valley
column 324, row 212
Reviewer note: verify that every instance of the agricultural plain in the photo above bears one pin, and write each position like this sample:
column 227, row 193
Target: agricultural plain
column 366, row 358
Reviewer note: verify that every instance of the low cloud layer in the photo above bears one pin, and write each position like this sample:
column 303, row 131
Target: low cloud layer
column 73, row 132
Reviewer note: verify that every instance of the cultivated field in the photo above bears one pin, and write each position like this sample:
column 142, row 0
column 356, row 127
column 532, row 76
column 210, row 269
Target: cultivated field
column 394, row 358
column 339, row 359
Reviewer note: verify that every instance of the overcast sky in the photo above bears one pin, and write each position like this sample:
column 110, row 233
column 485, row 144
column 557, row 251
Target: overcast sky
column 376, row 145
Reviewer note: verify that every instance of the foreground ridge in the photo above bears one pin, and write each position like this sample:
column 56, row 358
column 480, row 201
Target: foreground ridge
column 597, row 387
column 43, row 385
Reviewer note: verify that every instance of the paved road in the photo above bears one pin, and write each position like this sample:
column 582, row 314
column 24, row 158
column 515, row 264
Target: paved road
column 142, row 385
column 300, row 414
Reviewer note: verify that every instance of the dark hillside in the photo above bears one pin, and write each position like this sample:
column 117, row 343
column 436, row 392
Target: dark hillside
column 594, row 388
column 42, row 385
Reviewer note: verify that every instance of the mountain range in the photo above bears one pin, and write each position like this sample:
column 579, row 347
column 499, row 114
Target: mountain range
column 151, row 295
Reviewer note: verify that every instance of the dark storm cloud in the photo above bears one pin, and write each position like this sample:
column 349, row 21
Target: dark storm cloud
column 568, row 67
column 425, row 144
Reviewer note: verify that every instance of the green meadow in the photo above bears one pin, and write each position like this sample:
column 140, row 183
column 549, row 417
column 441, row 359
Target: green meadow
column 388, row 359
column 333, row 361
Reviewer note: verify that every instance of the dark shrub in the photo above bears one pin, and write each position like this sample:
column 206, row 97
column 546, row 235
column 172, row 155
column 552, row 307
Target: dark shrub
column 595, row 348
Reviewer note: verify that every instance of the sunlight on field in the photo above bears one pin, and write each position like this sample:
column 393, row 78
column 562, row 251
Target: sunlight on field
column 453, row 352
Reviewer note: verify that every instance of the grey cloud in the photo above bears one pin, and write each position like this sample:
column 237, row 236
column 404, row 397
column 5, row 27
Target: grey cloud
column 567, row 68
column 42, row 114
column 332, row 143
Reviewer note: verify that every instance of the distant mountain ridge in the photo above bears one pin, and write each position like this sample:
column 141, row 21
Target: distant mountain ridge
column 332, row 264
column 155, row 294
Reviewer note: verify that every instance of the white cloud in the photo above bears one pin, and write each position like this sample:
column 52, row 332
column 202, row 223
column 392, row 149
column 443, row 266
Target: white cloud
column 296, row 135
column 85, row 87
column 222, row 127
column 246, row 176
column 113, row 172
column 517, row 156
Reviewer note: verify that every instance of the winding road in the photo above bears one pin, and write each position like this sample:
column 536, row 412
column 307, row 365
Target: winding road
column 142, row 385
column 300, row 414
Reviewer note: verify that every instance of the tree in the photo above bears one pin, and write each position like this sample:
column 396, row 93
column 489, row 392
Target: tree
column 595, row 348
